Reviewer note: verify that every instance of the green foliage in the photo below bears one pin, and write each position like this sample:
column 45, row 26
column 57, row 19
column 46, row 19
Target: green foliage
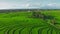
column 19, row 22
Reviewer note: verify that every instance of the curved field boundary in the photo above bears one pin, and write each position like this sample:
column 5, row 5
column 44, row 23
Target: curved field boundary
column 26, row 30
column 48, row 31
column 44, row 31
column 17, row 30
column 51, row 31
column 13, row 30
column 40, row 30
column 35, row 30
column 57, row 31
column 2, row 27
column 21, row 30
column 8, row 29
column 3, row 31
column 30, row 32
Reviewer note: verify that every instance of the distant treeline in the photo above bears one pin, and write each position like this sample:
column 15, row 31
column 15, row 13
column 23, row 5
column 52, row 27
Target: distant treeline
column 18, row 10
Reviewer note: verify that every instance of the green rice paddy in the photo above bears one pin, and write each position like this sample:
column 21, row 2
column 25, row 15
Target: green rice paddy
column 22, row 23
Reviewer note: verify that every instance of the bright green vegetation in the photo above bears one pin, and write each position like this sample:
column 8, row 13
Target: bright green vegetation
column 23, row 23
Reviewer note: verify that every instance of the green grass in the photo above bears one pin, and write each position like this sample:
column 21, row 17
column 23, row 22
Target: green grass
column 19, row 22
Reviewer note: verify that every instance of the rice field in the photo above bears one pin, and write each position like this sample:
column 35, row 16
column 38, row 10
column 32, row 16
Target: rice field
column 23, row 23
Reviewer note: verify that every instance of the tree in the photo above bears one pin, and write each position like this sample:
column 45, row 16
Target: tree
column 36, row 14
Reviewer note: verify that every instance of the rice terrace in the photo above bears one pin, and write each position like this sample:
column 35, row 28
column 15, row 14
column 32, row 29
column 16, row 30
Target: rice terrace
column 30, row 21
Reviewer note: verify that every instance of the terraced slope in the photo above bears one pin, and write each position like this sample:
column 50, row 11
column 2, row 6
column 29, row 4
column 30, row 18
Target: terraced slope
column 20, row 23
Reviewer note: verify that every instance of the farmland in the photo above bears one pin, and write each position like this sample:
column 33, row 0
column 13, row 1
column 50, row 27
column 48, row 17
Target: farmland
column 23, row 22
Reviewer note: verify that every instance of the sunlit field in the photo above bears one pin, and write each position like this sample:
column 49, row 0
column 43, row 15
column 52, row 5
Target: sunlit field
column 28, row 22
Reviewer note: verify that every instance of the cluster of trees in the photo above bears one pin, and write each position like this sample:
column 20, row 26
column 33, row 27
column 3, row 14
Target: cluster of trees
column 44, row 17
column 41, row 15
